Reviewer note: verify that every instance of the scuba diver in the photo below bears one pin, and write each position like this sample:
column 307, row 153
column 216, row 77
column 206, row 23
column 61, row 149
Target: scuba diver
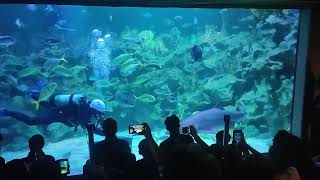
column 72, row 110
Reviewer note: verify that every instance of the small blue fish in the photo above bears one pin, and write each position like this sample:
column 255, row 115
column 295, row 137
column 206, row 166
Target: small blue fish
column 171, row 98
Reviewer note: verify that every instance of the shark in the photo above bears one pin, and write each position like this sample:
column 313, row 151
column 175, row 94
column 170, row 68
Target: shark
column 212, row 120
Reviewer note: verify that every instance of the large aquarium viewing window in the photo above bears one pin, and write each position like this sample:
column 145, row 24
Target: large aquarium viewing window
column 144, row 64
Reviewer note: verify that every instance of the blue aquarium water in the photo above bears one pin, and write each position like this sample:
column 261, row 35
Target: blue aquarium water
column 146, row 64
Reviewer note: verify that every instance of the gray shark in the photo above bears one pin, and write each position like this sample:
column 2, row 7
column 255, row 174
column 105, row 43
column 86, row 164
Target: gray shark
column 212, row 120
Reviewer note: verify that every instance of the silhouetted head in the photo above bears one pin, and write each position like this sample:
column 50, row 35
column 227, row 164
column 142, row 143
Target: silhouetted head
column 219, row 137
column 288, row 150
column 36, row 143
column 110, row 127
column 279, row 139
column 172, row 124
column 144, row 149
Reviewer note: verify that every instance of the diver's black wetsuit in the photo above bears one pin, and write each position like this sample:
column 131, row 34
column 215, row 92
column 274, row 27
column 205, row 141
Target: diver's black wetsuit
column 72, row 115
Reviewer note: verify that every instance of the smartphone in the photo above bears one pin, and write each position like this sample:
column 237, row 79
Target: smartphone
column 186, row 130
column 64, row 166
column 136, row 129
column 237, row 135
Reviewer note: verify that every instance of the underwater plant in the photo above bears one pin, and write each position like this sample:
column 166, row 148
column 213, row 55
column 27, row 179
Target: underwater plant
column 231, row 64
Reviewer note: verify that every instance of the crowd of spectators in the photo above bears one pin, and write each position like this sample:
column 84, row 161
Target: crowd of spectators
column 180, row 157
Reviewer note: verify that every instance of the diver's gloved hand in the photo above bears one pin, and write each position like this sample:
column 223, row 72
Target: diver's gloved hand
column 3, row 111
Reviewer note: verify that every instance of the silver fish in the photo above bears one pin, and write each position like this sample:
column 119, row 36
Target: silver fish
column 52, row 62
column 171, row 98
column 19, row 23
column 63, row 28
column 163, row 90
column 6, row 41
column 123, row 114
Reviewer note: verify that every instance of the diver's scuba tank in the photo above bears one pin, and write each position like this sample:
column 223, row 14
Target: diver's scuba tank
column 65, row 100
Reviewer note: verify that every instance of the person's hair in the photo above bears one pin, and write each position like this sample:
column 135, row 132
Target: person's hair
column 109, row 127
column 36, row 142
column 288, row 150
column 172, row 122
column 219, row 136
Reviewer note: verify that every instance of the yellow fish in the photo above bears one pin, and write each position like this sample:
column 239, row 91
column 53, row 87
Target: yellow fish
column 45, row 93
column 28, row 72
column 62, row 71
column 141, row 79
column 102, row 83
column 121, row 58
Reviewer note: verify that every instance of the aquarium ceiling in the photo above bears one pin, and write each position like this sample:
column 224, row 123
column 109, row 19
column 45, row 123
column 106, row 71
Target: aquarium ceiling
column 184, row 3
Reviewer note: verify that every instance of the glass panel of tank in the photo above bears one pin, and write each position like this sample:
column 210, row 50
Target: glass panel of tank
column 63, row 65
